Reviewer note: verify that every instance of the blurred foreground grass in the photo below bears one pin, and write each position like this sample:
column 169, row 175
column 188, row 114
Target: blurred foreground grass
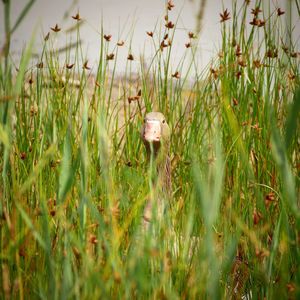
column 75, row 176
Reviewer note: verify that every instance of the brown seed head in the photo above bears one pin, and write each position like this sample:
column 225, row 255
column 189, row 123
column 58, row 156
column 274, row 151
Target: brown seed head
column 46, row 38
column 238, row 51
column 85, row 66
column 291, row 75
column 238, row 74
column 225, row 15
column 293, row 54
column 280, row 12
column 214, row 73
column 191, row 35
column 130, row 99
column 110, row 56
column 254, row 22
column 107, row 37
column 261, row 23
column 40, row 65
column 33, row 110
column 256, row 127
column 76, row 17
column 291, row 287
column 258, row 22
column 23, row 155
column 285, row 48
column 150, row 33
column 163, row 45
column 128, row 164
column 170, row 5
column 56, row 28
column 272, row 53
column 242, row 62
column 255, row 11
column 135, row 98
column 176, row 75
column 170, row 25
column 221, row 54
column 69, row 66
column 93, row 239
column 269, row 199
column 256, row 216
column 130, row 57
column 257, row 64
column 235, row 101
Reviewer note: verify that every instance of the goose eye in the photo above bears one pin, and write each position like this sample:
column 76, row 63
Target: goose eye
column 164, row 121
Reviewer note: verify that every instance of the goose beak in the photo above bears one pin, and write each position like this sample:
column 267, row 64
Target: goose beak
column 152, row 131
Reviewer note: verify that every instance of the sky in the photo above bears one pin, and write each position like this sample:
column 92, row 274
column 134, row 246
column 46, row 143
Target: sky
column 124, row 19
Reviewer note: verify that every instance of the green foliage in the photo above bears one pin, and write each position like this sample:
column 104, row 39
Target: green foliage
column 75, row 177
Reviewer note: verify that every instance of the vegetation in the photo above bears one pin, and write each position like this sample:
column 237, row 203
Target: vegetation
column 75, row 176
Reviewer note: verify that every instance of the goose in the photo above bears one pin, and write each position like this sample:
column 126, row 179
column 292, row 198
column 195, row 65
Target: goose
column 155, row 134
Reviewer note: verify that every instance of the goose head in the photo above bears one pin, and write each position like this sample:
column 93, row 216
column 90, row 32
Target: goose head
column 155, row 132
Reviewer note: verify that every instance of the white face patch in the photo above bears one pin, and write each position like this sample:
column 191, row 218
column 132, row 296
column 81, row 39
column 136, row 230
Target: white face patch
column 152, row 131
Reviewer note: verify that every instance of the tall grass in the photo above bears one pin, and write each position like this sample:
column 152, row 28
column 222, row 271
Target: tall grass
column 75, row 175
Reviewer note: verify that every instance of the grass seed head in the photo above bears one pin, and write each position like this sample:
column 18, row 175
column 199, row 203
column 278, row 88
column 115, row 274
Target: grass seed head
column 170, row 25
column 69, row 66
column 110, row 56
column 40, row 65
column 272, row 53
column 257, row 64
column 238, row 74
column 23, row 155
column 242, row 62
column 235, row 101
column 280, row 12
column 225, row 16
column 46, row 38
column 130, row 57
column 93, row 239
column 255, row 11
column 76, row 17
column 176, row 75
column 257, row 216
column 55, row 28
column 163, row 45
column 170, row 5
column 150, row 33
column 85, row 65
column 238, row 51
column 294, row 54
column 107, row 37
column 191, row 35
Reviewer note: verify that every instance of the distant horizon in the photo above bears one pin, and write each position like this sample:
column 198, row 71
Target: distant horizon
column 116, row 15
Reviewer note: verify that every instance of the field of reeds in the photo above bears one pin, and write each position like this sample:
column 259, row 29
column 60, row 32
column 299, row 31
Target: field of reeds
column 75, row 176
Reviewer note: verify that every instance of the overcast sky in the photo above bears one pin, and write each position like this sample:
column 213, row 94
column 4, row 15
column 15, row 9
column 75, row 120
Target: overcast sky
column 120, row 16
